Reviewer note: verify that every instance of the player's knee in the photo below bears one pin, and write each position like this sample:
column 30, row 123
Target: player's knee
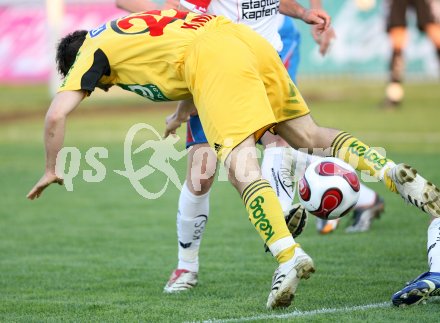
column 199, row 186
column 201, row 174
column 204, row 185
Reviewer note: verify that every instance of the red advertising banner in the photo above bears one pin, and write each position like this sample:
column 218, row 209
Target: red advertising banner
column 24, row 46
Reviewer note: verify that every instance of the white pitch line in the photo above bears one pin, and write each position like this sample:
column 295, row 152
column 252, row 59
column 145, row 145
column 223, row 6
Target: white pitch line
column 301, row 313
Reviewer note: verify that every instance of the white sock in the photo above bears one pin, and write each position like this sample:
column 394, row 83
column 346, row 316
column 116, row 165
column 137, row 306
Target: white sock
column 434, row 246
column 276, row 168
column 191, row 221
column 367, row 197
column 300, row 161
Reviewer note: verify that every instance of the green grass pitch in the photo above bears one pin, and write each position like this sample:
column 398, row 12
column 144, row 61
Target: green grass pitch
column 104, row 253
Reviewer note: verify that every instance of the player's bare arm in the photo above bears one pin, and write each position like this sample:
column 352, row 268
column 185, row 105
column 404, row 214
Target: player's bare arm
column 183, row 111
column 312, row 16
column 323, row 39
column 134, row 5
column 145, row 5
column 62, row 104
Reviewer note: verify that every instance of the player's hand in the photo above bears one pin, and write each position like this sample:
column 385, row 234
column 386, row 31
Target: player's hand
column 324, row 39
column 45, row 181
column 317, row 17
column 172, row 123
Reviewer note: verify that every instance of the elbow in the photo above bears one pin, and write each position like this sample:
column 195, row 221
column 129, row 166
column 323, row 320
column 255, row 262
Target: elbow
column 282, row 9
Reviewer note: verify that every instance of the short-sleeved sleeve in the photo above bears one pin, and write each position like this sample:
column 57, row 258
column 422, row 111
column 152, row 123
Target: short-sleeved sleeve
column 86, row 71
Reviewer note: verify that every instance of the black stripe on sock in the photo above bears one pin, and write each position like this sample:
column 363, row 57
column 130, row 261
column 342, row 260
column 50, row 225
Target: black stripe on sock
column 342, row 141
column 256, row 189
column 342, row 133
column 251, row 190
column 339, row 141
column 251, row 186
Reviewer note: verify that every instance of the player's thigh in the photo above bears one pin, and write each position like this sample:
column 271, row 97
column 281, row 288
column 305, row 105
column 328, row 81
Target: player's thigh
column 297, row 132
column 304, row 133
column 396, row 13
column 201, row 168
column 425, row 13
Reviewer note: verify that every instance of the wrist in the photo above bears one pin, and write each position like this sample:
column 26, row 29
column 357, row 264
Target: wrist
column 301, row 13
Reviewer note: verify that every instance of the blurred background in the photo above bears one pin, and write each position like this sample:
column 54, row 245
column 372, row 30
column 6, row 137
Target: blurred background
column 31, row 27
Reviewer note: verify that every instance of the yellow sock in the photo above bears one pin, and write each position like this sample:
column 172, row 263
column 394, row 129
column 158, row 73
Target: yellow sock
column 363, row 158
column 266, row 215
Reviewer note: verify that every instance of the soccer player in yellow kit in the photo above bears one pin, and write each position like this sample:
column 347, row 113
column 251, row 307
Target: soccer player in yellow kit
column 241, row 90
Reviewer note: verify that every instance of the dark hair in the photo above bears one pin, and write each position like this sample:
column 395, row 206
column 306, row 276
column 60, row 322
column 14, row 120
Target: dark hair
column 67, row 49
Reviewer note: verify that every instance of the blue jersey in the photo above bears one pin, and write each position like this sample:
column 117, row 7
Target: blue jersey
column 291, row 39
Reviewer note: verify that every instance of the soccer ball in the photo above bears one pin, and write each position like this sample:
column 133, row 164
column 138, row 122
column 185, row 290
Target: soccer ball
column 329, row 188
column 394, row 92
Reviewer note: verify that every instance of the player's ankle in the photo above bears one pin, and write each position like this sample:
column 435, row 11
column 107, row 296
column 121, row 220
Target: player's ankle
column 187, row 265
column 385, row 177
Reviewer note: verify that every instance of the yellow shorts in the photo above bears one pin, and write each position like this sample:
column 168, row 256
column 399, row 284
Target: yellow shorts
column 239, row 85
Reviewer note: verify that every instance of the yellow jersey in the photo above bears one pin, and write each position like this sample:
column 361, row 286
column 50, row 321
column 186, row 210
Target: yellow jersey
column 142, row 53
column 235, row 77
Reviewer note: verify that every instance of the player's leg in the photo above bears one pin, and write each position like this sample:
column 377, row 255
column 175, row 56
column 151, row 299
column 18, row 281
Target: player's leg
column 296, row 126
column 193, row 209
column 364, row 211
column 276, row 169
column 396, row 28
column 394, row 89
column 433, row 32
column 427, row 284
column 273, row 168
column 266, row 215
column 428, row 21
column 368, row 208
column 234, row 109
column 303, row 132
